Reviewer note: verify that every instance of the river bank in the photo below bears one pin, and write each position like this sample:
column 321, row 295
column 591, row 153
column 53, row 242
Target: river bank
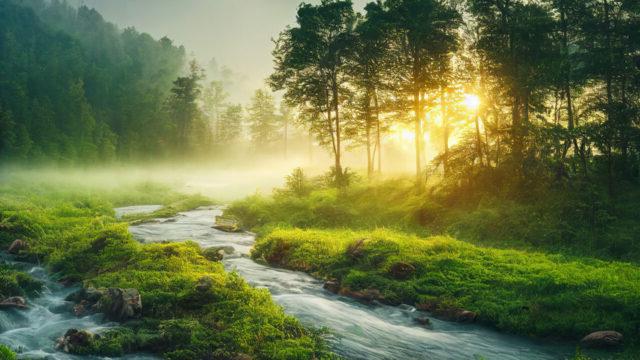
column 190, row 308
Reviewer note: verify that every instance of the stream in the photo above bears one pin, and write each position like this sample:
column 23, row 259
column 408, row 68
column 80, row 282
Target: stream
column 33, row 332
column 357, row 331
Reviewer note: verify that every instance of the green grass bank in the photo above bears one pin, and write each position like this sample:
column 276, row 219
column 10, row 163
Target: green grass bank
column 73, row 230
column 527, row 293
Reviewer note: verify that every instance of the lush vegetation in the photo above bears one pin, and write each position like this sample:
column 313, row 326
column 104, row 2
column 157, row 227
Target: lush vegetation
column 528, row 265
column 77, row 89
column 74, row 231
column 527, row 89
column 568, row 220
column 523, row 292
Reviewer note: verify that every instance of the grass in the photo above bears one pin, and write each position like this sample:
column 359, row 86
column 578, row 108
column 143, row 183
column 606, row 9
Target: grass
column 520, row 292
column 6, row 353
column 74, row 232
column 16, row 283
column 574, row 221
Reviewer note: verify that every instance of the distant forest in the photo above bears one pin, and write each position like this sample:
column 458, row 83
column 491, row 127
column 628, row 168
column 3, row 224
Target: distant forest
column 75, row 88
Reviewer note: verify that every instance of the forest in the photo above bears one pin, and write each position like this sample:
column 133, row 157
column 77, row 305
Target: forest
column 429, row 179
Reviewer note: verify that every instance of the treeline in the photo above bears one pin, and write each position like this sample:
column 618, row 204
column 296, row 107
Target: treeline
column 206, row 122
column 551, row 87
column 76, row 89
column 73, row 87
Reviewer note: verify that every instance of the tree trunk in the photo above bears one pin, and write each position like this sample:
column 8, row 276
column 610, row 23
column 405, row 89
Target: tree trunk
column 418, row 135
column 609, row 81
column 286, row 137
column 367, row 127
column 378, row 135
column 445, row 127
column 336, row 107
column 478, row 139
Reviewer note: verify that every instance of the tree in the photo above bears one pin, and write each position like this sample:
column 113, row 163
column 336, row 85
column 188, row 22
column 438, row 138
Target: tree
column 286, row 119
column 612, row 39
column 183, row 105
column 423, row 37
column 310, row 61
column 515, row 40
column 230, row 125
column 263, row 122
column 367, row 71
column 214, row 100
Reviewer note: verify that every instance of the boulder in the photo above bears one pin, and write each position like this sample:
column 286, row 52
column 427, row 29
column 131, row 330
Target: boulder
column 427, row 306
column 228, row 250
column 424, row 321
column 226, row 224
column 367, row 295
column 332, row 286
column 18, row 246
column 213, row 254
column 602, row 339
column 115, row 303
column 448, row 313
column 242, row 357
column 15, row 302
column 74, row 341
column 121, row 304
column 205, row 283
column 402, row 270
column 465, row 316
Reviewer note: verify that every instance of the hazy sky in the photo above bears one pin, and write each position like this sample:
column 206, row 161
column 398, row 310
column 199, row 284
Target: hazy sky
column 237, row 33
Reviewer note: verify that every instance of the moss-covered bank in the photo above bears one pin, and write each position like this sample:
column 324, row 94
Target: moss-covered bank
column 521, row 292
column 74, row 232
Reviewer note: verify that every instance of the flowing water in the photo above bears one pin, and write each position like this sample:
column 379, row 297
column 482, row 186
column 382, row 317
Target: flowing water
column 33, row 332
column 358, row 331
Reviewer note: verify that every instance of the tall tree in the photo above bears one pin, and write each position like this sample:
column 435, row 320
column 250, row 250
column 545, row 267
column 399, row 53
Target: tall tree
column 310, row 61
column 214, row 100
column 263, row 121
column 286, row 120
column 230, row 125
column 424, row 36
column 183, row 105
column 367, row 71
column 515, row 39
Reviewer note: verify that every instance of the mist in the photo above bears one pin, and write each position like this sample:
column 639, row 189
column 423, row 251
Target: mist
column 278, row 179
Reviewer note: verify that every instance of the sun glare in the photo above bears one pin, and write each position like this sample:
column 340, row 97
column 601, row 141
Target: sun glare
column 471, row 101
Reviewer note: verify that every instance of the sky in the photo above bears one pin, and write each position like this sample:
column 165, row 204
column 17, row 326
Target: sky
column 237, row 33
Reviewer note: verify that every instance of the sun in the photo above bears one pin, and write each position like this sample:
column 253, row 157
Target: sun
column 471, row 101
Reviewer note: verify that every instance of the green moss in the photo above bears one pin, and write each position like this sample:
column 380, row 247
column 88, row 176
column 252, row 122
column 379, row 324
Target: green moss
column 75, row 233
column 16, row 283
column 6, row 353
column 516, row 291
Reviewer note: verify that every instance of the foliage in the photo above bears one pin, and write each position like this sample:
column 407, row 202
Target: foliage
column 77, row 89
column 310, row 66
